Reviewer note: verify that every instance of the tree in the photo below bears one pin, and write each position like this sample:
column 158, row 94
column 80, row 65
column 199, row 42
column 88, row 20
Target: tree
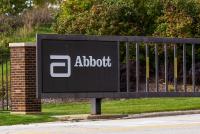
column 43, row 2
column 180, row 19
column 15, row 7
column 12, row 7
column 110, row 17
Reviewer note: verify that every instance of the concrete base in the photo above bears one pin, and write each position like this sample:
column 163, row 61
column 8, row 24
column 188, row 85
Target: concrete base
column 131, row 116
column 87, row 117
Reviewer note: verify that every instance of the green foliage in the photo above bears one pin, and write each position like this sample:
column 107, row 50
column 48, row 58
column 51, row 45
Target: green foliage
column 15, row 7
column 180, row 19
column 69, row 11
column 111, row 17
column 21, row 35
column 37, row 16
column 12, row 7
column 43, row 2
column 169, row 18
column 22, row 23
column 4, row 49
column 24, row 34
column 8, row 24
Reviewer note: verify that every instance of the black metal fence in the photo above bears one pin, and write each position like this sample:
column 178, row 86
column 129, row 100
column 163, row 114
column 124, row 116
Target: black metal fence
column 142, row 59
column 181, row 83
column 4, row 81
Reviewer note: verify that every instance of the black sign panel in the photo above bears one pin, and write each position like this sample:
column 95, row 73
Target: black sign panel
column 77, row 66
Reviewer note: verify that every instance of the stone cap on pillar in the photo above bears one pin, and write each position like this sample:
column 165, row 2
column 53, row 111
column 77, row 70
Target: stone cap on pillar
column 22, row 44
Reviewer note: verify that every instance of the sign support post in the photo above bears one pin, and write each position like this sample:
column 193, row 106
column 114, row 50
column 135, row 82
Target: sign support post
column 96, row 106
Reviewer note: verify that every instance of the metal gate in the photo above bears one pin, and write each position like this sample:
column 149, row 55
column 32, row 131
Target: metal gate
column 4, row 80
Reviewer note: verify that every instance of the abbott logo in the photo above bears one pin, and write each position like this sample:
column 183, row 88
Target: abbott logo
column 54, row 65
column 80, row 62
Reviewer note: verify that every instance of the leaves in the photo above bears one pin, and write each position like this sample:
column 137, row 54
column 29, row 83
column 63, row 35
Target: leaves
column 178, row 19
column 112, row 17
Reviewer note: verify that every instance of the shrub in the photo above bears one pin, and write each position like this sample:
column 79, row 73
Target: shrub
column 4, row 49
column 111, row 17
column 8, row 24
column 37, row 16
column 169, row 18
column 180, row 19
column 69, row 11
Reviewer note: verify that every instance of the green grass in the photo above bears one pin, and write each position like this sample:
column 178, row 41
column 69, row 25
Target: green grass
column 127, row 106
column 131, row 106
column 134, row 106
column 9, row 119
column 27, row 35
column 68, row 108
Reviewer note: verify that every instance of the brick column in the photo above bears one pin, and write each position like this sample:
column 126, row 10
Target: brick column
column 23, row 79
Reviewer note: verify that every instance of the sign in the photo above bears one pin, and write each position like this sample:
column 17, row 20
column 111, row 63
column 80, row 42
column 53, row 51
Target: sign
column 74, row 65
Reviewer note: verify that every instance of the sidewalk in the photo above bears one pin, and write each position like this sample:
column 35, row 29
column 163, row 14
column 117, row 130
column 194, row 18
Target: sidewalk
column 181, row 124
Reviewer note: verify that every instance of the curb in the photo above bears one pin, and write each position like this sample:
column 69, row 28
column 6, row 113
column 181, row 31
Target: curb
column 88, row 117
column 125, row 116
column 161, row 114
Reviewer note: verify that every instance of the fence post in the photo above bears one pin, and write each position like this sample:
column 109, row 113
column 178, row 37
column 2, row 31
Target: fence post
column 147, row 68
column 184, row 68
column 137, row 67
column 193, row 68
column 156, row 68
column 96, row 106
column 2, row 82
column 23, row 79
column 175, row 68
column 166, row 68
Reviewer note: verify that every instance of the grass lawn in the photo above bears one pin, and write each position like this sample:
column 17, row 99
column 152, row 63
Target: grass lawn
column 24, row 35
column 9, row 119
column 131, row 106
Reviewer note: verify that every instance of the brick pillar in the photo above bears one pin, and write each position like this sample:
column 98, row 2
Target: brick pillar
column 23, row 79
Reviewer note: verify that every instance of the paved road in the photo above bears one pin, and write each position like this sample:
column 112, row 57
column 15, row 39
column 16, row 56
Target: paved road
column 184, row 124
